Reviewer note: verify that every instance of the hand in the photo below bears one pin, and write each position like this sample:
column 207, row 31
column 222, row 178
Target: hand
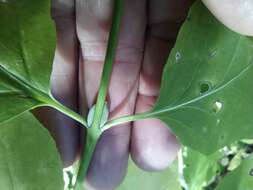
column 148, row 33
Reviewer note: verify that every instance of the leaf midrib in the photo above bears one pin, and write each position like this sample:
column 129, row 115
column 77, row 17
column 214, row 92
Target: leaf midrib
column 28, row 90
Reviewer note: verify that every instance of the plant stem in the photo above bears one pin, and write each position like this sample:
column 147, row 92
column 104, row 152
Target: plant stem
column 127, row 119
column 108, row 64
column 95, row 131
column 89, row 147
column 65, row 110
column 42, row 97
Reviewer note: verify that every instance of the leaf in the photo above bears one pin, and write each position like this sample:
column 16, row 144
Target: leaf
column 27, row 43
column 239, row 179
column 138, row 179
column 28, row 156
column 206, row 92
column 200, row 170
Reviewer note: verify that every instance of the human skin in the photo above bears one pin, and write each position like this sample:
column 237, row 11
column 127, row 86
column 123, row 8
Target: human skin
column 148, row 32
column 235, row 14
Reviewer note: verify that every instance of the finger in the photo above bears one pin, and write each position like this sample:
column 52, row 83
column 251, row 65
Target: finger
column 153, row 146
column 237, row 15
column 108, row 166
column 63, row 83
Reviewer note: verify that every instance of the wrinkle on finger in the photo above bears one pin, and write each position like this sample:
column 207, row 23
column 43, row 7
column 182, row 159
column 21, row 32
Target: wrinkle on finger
column 93, row 20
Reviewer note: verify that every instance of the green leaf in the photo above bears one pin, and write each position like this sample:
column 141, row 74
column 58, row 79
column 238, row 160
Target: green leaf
column 206, row 92
column 139, row 179
column 239, row 179
column 200, row 170
column 27, row 43
column 28, row 156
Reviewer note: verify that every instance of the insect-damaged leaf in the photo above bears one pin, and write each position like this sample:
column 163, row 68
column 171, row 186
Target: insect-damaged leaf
column 206, row 92
column 27, row 42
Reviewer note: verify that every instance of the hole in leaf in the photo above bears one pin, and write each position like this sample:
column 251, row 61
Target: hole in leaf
column 178, row 56
column 204, row 87
column 187, row 165
column 251, row 172
column 217, row 106
column 213, row 53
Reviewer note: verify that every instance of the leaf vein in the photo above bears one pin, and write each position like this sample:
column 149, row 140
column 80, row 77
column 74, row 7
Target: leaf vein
column 169, row 108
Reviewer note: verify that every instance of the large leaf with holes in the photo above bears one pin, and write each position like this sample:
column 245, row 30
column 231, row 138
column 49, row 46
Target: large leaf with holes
column 27, row 42
column 239, row 179
column 206, row 92
column 139, row 179
column 28, row 156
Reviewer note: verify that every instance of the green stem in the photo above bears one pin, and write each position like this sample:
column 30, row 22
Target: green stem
column 65, row 110
column 108, row 64
column 40, row 96
column 127, row 119
column 91, row 141
column 94, row 131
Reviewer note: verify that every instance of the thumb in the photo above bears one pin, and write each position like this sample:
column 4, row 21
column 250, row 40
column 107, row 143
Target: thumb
column 235, row 14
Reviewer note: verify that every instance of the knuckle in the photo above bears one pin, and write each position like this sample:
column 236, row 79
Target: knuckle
column 62, row 9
